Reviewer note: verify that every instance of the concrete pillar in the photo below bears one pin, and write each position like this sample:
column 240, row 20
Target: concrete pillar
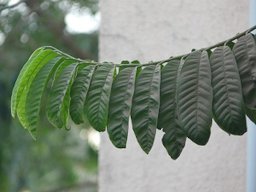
column 153, row 30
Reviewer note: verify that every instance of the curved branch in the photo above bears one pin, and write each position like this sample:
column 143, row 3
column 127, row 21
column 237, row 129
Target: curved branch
column 5, row 6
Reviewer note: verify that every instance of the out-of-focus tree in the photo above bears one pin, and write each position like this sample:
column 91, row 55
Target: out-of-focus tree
column 59, row 160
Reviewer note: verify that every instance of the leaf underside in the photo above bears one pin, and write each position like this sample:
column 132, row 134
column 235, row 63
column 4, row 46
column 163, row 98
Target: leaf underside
column 35, row 93
column 27, row 80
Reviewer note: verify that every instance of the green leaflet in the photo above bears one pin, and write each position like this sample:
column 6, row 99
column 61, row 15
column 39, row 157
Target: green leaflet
column 228, row 109
column 37, row 60
column 22, row 99
column 79, row 92
column 251, row 113
column 120, row 106
column 97, row 102
column 194, row 97
column 134, row 62
column 245, row 54
column 32, row 103
column 59, row 98
column 145, row 106
column 174, row 138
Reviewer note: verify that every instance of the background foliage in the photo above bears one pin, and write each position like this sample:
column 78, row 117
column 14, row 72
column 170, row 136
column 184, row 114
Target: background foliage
column 65, row 163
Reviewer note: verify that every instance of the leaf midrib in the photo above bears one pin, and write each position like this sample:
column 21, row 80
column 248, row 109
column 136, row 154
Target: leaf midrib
column 101, row 93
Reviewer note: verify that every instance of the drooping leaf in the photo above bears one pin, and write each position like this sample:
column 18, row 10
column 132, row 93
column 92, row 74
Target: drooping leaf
column 59, row 99
column 145, row 106
column 174, row 138
column 79, row 92
column 194, row 97
column 251, row 114
column 167, row 93
column 97, row 102
column 22, row 99
column 228, row 111
column 245, row 54
column 120, row 106
column 38, row 59
column 33, row 99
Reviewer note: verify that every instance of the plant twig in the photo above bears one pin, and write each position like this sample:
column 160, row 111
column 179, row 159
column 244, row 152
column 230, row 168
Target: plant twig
column 206, row 48
column 161, row 61
column 5, row 6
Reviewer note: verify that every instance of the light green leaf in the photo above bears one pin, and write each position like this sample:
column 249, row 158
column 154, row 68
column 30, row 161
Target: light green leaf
column 37, row 60
column 79, row 92
column 174, row 138
column 59, row 99
column 34, row 96
column 120, row 106
column 145, row 106
column 97, row 102
column 194, row 97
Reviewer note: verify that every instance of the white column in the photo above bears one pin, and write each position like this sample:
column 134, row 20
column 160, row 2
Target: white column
column 157, row 29
column 251, row 140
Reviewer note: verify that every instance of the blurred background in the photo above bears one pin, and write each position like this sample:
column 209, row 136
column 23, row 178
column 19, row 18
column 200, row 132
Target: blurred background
column 59, row 160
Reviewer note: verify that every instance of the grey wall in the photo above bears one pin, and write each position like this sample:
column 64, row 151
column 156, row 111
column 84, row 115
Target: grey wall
column 156, row 29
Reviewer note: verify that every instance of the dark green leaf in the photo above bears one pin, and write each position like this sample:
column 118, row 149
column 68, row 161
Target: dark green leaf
column 228, row 109
column 194, row 97
column 145, row 106
column 97, row 102
column 59, row 99
column 120, row 106
column 79, row 92
column 174, row 138
column 125, row 62
column 251, row 113
column 245, row 54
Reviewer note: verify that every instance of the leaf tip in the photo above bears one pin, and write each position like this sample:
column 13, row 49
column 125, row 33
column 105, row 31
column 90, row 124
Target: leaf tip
column 200, row 137
column 33, row 134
